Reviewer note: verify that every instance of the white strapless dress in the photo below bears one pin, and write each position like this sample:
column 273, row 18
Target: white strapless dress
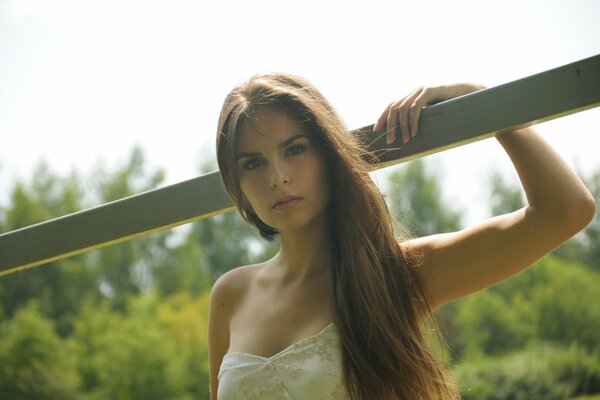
column 308, row 369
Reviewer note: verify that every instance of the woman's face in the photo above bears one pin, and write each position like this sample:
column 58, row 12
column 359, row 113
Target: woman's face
column 281, row 172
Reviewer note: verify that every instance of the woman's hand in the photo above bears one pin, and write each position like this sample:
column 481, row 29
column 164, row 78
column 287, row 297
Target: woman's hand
column 403, row 115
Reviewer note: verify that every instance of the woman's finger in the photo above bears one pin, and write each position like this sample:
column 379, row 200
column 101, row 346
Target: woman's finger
column 415, row 110
column 405, row 110
column 402, row 117
column 392, row 123
column 380, row 124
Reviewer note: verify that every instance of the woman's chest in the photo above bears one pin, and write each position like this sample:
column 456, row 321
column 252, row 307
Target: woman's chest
column 265, row 323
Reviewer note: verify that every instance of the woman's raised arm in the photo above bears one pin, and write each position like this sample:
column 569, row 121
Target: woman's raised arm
column 559, row 205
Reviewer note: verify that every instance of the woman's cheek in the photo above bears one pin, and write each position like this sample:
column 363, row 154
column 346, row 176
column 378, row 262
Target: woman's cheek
column 251, row 191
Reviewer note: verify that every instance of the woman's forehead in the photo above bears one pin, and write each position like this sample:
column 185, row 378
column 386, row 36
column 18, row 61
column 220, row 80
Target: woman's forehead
column 268, row 128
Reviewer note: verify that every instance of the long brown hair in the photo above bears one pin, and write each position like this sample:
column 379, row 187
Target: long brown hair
column 378, row 301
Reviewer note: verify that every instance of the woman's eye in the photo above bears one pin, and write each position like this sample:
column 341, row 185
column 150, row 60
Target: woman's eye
column 252, row 164
column 296, row 149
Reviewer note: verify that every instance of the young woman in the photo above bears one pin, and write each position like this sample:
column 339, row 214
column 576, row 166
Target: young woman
column 338, row 313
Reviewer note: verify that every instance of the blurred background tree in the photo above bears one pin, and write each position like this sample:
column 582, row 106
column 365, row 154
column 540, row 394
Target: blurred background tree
column 416, row 200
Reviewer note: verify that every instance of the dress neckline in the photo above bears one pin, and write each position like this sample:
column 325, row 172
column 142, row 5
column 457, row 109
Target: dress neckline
column 286, row 349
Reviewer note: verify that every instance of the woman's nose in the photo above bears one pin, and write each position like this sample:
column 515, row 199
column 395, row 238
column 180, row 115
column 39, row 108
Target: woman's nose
column 279, row 175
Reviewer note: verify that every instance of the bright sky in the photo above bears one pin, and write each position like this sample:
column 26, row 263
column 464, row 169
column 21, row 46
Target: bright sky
column 82, row 80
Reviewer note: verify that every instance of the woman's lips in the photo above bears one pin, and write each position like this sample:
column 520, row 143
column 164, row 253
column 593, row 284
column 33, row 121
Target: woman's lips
column 286, row 202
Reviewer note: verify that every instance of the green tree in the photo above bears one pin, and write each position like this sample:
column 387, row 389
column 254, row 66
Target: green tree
column 154, row 348
column 416, row 198
column 541, row 371
column 185, row 268
column 505, row 197
column 591, row 234
column 228, row 242
column 127, row 268
column 113, row 272
column 552, row 301
column 46, row 196
column 490, row 325
column 566, row 303
column 34, row 362
column 184, row 319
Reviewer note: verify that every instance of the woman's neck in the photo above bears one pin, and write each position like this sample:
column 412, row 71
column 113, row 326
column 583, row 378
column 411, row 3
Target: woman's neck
column 304, row 253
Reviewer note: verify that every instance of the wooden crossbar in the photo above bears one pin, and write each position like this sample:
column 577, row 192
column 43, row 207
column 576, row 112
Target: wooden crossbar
column 555, row 93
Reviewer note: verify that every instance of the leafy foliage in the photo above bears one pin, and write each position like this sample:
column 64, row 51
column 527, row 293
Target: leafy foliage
column 591, row 234
column 504, row 198
column 155, row 349
column 34, row 361
column 542, row 371
column 416, row 200
column 553, row 301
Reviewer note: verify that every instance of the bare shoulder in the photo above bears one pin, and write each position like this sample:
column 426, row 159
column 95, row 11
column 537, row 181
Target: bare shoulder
column 231, row 287
column 226, row 295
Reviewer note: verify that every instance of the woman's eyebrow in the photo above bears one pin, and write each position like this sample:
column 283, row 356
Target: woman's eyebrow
column 286, row 142
column 292, row 139
column 248, row 154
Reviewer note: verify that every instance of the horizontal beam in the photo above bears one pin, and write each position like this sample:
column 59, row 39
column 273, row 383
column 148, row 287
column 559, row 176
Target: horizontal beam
column 538, row 98
column 541, row 97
